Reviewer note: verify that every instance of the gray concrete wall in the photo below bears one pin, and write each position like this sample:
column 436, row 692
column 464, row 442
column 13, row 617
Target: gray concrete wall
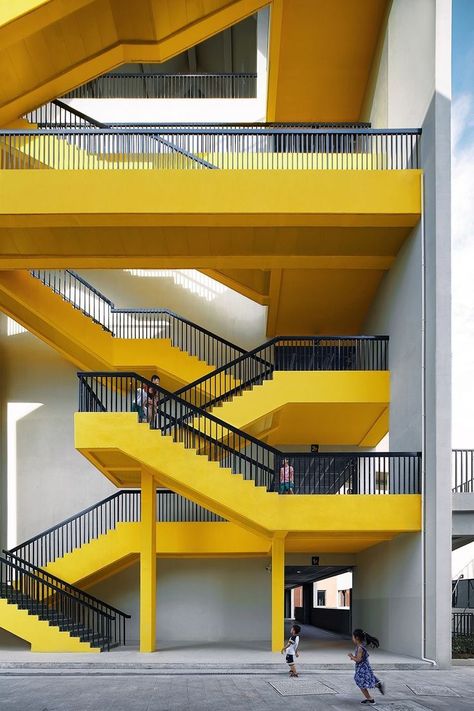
column 387, row 594
column 411, row 87
column 397, row 312
column 227, row 313
column 53, row 480
column 199, row 600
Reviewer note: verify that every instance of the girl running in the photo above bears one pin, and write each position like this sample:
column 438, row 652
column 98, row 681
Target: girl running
column 364, row 677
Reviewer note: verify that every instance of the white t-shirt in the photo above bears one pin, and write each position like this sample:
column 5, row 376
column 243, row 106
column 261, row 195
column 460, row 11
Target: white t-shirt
column 293, row 647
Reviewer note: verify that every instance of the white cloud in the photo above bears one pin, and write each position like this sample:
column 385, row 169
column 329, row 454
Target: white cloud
column 463, row 271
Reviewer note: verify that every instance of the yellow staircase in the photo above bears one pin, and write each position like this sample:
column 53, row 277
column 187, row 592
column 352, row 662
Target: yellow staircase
column 38, row 633
column 235, row 474
column 51, row 615
column 75, row 319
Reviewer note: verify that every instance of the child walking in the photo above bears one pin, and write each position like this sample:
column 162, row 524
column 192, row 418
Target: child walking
column 291, row 649
column 364, row 677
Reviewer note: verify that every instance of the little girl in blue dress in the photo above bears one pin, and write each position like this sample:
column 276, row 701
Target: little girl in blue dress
column 364, row 677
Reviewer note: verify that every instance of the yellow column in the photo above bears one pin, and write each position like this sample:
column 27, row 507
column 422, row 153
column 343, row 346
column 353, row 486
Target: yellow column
column 278, row 590
column 148, row 565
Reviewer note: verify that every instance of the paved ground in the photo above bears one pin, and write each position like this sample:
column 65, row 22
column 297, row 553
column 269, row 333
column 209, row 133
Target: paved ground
column 451, row 690
column 318, row 648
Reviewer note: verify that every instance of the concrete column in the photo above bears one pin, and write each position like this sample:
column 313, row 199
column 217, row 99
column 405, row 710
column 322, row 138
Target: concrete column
column 307, row 603
column 278, row 591
column 148, row 565
column 287, row 604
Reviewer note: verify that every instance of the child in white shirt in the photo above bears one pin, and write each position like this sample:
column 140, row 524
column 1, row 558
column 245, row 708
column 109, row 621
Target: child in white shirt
column 291, row 649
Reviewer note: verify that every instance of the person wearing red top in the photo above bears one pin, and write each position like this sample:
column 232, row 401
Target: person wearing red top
column 287, row 478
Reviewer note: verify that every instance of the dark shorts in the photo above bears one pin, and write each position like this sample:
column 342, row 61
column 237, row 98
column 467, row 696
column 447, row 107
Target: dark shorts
column 290, row 659
column 286, row 486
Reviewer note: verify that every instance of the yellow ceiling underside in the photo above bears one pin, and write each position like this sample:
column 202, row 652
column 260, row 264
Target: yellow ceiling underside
column 321, row 51
column 321, row 54
column 48, row 48
column 349, row 424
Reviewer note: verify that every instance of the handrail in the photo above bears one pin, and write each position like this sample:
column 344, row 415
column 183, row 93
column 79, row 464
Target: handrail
column 18, row 566
column 215, row 85
column 209, row 130
column 246, row 148
column 83, row 121
column 463, row 471
column 289, row 353
column 83, row 527
column 231, row 448
column 138, row 322
column 40, row 572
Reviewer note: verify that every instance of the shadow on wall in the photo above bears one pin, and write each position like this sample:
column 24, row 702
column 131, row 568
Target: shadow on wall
column 190, row 294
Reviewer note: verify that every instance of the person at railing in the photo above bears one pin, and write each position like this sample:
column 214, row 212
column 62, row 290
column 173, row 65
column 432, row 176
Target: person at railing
column 287, row 478
column 140, row 402
column 153, row 399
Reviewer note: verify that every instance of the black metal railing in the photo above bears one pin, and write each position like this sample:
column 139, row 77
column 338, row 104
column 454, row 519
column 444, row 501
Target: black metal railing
column 57, row 114
column 82, row 528
column 138, row 323
column 463, row 624
column 187, row 148
column 61, row 604
column 325, row 473
column 173, row 508
column 122, row 507
column 242, row 85
column 288, row 353
column 463, row 471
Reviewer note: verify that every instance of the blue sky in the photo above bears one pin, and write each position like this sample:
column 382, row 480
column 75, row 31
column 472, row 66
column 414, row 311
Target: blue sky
column 463, row 223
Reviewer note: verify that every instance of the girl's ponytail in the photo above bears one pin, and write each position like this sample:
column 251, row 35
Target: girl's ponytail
column 366, row 638
column 371, row 641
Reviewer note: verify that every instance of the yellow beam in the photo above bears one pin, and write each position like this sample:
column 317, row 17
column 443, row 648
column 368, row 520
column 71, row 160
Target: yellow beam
column 180, row 198
column 278, row 590
column 148, row 563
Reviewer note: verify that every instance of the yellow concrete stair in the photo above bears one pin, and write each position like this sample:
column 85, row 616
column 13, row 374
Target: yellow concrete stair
column 120, row 547
column 85, row 343
column 121, row 448
column 42, row 636
column 327, row 407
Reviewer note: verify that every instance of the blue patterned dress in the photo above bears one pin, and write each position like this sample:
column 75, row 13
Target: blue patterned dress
column 364, row 677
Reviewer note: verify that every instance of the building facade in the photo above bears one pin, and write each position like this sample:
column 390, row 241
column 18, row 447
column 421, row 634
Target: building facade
column 259, row 214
